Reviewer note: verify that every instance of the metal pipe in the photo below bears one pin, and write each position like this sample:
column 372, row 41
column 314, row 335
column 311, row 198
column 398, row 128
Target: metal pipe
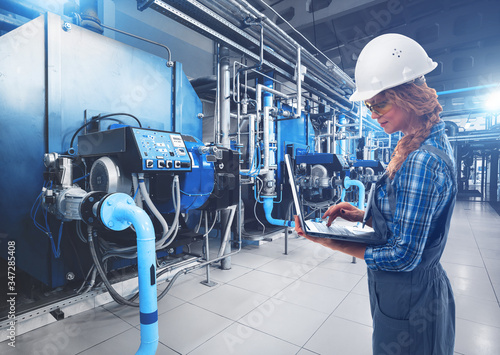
column 329, row 132
column 10, row 23
column 266, row 133
column 208, row 282
column 217, row 103
column 455, row 91
column 227, row 234
column 22, row 8
column 261, row 88
column 299, row 82
column 334, row 120
column 338, row 75
column 118, row 211
column 475, row 136
column 251, row 138
column 224, row 98
column 169, row 60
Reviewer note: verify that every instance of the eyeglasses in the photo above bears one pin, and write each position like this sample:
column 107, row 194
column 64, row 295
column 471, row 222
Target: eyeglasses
column 381, row 108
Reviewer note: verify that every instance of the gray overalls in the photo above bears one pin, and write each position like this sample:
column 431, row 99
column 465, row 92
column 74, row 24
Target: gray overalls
column 413, row 312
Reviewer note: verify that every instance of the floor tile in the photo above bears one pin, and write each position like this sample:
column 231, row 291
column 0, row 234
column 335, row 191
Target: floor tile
column 490, row 253
column 286, row 268
column 250, row 260
column 339, row 336
column 284, row 320
column 311, row 254
column 355, row 308
column 476, row 339
column 478, row 310
column 262, row 282
column 492, row 243
column 189, row 286
column 229, row 301
column 239, row 339
column 465, row 271
column 125, row 343
column 188, row 326
column 71, row 335
column 332, row 278
column 274, row 249
column 478, row 288
column 320, row 298
column 460, row 258
column 343, row 262
column 306, row 352
column 223, row 276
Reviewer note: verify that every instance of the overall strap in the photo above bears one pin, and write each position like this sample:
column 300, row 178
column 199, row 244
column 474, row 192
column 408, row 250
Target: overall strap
column 440, row 153
column 391, row 196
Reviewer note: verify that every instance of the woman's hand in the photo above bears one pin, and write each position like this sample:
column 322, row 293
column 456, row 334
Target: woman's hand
column 329, row 243
column 344, row 210
column 355, row 249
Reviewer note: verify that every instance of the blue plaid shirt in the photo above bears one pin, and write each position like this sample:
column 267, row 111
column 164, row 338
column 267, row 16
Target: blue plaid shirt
column 423, row 187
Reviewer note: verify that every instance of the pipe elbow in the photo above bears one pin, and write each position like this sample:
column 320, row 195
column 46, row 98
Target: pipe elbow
column 268, row 209
column 348, row 182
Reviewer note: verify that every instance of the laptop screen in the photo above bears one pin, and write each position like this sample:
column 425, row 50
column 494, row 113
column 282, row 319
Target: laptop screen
column 298, row 206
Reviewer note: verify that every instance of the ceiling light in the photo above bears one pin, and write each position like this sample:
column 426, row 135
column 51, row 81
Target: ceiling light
column 493, row 101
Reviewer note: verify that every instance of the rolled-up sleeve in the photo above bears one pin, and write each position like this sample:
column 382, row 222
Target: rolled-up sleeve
column 420, row 187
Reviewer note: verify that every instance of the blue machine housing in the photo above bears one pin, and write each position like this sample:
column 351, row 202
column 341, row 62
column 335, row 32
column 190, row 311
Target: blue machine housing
column 196, row 185
column 52, row 80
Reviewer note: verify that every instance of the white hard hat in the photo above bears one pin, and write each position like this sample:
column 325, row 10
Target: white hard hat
column 387, row 61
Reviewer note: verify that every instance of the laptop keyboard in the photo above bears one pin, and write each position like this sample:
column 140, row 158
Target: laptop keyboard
column 318, row 227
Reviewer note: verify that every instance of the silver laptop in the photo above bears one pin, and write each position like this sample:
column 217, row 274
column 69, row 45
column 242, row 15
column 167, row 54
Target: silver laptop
column 334, row 231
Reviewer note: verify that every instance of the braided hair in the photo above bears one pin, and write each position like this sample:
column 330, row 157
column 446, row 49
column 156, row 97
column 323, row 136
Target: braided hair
column 421, row 102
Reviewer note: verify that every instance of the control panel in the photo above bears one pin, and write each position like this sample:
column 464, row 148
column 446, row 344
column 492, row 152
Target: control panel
column 161, row 150
column 139, row 149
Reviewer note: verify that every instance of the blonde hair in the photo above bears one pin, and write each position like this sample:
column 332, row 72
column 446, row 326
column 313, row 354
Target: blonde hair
column 421, row 102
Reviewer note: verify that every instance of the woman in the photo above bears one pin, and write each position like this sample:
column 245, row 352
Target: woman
column 411, row 299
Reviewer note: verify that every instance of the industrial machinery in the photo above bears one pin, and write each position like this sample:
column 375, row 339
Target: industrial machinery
column 111, row 124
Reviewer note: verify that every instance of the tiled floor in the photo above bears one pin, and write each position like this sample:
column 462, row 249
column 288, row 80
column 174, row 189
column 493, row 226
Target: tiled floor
column 312, row 301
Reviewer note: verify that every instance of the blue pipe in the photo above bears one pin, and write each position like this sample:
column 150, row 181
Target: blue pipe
column 466, row 89
column 268, row 209
column 348, row 182
column 118, row 211
column 268, row 97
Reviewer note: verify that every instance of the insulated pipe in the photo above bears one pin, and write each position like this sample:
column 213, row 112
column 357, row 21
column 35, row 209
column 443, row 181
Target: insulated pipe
column 267, row 132
column 224, row 98
column 268, row 209
column 348, row 182
column 329, row 131
column 117, row 212
column 338, row 75
column 251, row 143
column 299, row 83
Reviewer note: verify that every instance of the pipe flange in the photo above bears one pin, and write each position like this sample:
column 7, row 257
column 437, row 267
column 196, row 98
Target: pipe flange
column 106, row 210
column 86, row 208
